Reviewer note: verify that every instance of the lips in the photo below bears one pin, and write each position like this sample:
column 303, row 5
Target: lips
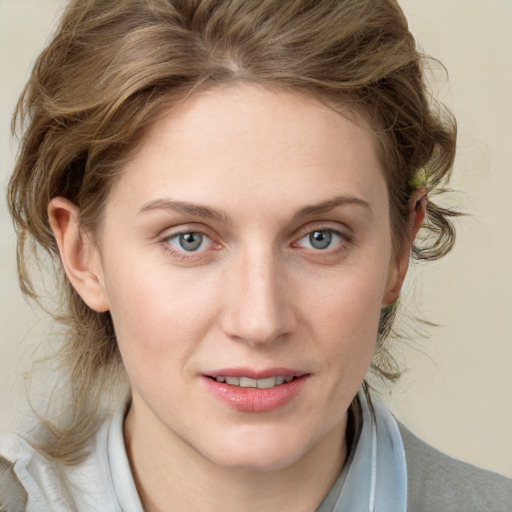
column 256, row 391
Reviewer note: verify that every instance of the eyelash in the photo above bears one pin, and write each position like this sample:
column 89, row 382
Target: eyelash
column 344, row 240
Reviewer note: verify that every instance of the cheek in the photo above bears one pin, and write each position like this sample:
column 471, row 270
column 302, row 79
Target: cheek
column 345, row 319
column 159, row 316
column 351, row 301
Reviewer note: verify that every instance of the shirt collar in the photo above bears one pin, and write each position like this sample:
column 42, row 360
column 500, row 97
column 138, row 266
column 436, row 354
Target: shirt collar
column 122, row 478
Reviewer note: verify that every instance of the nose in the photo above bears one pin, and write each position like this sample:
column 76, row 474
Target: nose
column 258, row 307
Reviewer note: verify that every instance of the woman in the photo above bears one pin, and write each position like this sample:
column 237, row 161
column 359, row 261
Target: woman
column 234, row 190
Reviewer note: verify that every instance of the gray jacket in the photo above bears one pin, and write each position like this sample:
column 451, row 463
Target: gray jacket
column 438, row 483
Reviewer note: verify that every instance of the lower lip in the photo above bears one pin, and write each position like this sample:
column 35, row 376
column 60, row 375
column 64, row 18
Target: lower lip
column 255, row 399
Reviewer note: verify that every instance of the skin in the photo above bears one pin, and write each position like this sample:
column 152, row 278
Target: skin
column 256, row 294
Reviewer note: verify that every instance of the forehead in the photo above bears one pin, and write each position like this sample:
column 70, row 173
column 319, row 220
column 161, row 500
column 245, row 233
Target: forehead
column 251, row 144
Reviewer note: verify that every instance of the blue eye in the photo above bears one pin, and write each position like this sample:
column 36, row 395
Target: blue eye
column 321, row 239
column 191, row 241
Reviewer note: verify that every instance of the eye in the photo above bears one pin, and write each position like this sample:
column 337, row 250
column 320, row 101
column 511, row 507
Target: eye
column 190, row 241
column 321, row 239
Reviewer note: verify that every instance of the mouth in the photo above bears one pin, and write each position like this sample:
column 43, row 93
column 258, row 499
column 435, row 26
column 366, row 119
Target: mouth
column 248, row 382
column 256, row 391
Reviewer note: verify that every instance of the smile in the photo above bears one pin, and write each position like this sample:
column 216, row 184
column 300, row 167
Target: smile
column 262, row 391
column 247, row 382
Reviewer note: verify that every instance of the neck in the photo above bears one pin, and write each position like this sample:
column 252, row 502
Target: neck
column 171, row 475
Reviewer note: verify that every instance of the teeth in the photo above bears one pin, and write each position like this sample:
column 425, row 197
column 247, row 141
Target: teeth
column 266, row 383
column 246, row 382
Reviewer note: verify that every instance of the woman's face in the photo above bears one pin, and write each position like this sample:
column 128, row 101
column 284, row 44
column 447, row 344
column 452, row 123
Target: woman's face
column 248, row 241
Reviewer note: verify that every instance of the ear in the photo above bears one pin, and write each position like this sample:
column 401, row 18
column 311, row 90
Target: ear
column 79, row 255
column 398, row 268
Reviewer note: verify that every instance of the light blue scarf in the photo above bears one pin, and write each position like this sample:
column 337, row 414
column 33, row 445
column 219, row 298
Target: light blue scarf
column 376, row 480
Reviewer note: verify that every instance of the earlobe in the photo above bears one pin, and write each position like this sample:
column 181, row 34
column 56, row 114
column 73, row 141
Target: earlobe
column 78, row 253
column 398, row 270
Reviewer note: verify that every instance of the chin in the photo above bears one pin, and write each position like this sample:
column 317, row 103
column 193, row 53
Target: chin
column 259, row 452
column 271, row 461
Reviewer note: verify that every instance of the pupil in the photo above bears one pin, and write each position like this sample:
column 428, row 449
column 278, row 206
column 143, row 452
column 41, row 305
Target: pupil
column 191, row 241
column 320, row 239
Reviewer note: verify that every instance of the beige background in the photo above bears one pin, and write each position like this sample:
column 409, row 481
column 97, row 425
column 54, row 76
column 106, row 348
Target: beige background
column 457, row 392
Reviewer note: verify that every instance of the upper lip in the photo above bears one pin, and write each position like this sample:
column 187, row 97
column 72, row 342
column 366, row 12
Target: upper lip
column 256, row 374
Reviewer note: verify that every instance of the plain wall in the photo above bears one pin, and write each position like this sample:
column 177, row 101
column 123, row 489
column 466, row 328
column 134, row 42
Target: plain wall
column 457, row 390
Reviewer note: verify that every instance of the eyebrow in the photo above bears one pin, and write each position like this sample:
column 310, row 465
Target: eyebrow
column 206, row 212
column 196, row 210
column 331, row 204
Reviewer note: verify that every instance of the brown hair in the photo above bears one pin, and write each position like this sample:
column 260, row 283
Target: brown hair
column 113, row 66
